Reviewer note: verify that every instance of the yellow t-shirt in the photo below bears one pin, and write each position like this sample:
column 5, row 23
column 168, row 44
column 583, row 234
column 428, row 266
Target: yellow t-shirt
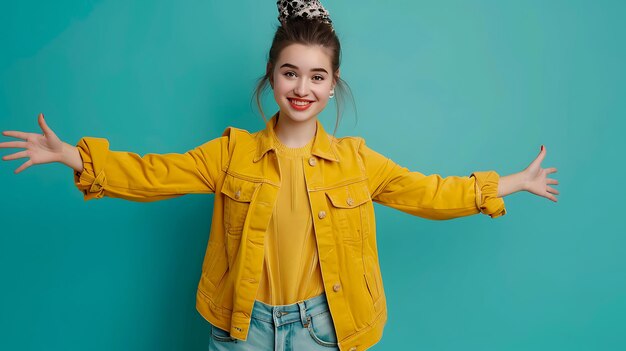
column 291, row 270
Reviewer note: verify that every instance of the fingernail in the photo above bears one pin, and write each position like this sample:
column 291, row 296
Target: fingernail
column 541, row 147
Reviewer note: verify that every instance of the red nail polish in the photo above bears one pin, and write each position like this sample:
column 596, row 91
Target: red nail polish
column 541, row 147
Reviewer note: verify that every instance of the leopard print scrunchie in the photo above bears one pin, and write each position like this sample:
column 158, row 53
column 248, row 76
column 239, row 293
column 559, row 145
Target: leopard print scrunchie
column 307, row 9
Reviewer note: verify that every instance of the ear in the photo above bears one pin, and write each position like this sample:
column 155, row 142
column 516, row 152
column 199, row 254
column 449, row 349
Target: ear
column 336, row 78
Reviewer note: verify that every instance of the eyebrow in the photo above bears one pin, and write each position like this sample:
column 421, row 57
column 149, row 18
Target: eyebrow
column 296, row 67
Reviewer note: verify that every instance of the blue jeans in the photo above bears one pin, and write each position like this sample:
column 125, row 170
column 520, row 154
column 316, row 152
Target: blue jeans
column 302, row 326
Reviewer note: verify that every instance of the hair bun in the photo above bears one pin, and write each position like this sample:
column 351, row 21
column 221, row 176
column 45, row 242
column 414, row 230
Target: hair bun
column 305, row 9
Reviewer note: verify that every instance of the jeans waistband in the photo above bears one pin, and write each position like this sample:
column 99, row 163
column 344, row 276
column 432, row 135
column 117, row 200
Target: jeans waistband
column 284, row 314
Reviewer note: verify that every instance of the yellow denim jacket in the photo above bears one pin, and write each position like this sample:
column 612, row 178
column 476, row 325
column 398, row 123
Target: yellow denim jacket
column 343, row 178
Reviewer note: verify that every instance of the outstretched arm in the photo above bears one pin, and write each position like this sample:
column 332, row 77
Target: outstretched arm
column 533, row 179
column 100, row 172
column 436, row 197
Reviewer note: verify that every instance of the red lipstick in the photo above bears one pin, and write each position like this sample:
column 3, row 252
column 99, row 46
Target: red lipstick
column 300, row 104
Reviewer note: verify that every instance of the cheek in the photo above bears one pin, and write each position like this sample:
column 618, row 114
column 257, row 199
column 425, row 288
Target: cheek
column 281, row 86
column 322, row 92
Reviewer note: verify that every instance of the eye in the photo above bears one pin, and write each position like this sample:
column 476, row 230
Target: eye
column 289, row 74
column 318, row 77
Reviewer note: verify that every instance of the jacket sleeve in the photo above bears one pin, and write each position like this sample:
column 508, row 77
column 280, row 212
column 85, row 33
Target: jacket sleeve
column 430, row 196
column 153, row 177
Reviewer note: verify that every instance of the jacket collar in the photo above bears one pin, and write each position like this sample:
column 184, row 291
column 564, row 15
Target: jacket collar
column 322, row 146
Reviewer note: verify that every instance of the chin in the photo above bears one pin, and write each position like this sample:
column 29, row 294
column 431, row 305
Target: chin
column 299, row 116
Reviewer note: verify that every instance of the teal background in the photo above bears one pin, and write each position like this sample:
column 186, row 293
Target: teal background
column 440, row 87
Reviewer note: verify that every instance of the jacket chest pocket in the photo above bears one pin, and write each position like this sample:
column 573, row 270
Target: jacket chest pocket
column 237, row 197
column 348, row 207
column 238, row 194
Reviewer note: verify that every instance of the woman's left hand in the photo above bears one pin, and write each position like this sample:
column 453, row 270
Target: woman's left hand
column 536, row 178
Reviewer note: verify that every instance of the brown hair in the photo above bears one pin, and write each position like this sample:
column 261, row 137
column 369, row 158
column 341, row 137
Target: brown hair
column 306, row 32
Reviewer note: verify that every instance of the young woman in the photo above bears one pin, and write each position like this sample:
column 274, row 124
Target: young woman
column 291, row 261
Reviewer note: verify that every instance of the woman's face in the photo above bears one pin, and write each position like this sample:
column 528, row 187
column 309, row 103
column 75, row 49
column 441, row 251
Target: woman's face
column 302, row 81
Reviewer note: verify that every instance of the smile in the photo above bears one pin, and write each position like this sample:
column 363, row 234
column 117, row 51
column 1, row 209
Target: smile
column 300, row 105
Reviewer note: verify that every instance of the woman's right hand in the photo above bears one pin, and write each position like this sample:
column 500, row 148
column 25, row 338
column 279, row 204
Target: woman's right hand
column 40, row 148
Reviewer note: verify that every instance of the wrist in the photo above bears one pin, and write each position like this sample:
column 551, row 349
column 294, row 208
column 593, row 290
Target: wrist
column 523, row 180
column 71, row 157
column 512, row 183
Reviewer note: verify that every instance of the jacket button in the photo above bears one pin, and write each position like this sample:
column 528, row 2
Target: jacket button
column 312, row 161
column 238, row 194
column 336, row 287
column 321, row 214
column 350, row 201
column 352, row 348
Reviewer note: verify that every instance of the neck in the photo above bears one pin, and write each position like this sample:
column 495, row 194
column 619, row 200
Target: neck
column 295, row 134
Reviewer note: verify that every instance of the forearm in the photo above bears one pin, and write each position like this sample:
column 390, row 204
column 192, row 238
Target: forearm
column 71, row 157
column 511, row 184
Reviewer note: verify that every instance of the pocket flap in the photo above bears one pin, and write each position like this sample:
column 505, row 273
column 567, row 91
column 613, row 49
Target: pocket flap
column 238, row 189
column 349, row 196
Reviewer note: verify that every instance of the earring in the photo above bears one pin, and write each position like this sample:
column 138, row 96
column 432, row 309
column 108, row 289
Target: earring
column 332, row 94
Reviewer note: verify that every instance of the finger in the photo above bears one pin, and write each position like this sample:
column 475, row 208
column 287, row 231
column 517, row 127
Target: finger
column 551, row 197
column 43, row 125
column 16, row 134
column 552, row 190
column 550, row 170
column 14, row 156
column 13, row 144
column 552, row 181
column 23, row 166
column 541, row 156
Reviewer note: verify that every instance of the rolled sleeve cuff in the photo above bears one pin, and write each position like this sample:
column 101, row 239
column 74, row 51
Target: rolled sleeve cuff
column 487, row 200
column 92, row 180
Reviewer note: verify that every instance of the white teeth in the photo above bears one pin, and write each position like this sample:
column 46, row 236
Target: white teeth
column 300, row 103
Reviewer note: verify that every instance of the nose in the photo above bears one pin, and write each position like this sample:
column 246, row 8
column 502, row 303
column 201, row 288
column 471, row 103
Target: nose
column 301, row 88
